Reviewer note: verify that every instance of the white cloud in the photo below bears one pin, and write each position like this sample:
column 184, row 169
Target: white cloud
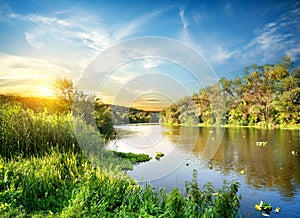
column 273, row 40
column 222, row 54
column 149, row 63
column 77, row 29
column 33, row 40
column 185, row 36
column 133, row 26
column 39, row 19
column 26, row 67
column 293, row 52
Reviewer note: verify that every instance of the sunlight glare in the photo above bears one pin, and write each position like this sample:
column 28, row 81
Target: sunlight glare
column 45, row 91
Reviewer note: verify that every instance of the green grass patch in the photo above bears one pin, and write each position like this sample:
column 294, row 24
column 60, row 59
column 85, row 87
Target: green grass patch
column 134, row 158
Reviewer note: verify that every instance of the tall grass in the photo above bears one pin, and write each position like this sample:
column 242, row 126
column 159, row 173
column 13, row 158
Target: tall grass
column 24, row 132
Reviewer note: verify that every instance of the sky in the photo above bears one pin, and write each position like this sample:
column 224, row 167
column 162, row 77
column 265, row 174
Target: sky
column 41, row 40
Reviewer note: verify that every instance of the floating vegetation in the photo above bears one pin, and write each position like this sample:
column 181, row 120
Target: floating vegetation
column 265, row 208
column 158, row 155
column 261, row 144
column 134, row 158
column 242, row 172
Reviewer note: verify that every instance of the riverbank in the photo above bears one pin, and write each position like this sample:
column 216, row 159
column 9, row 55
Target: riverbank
column 45, row 173
column 258, row 126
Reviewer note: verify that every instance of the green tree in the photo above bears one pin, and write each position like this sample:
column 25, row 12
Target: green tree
column 64, row 90
column 265, row 95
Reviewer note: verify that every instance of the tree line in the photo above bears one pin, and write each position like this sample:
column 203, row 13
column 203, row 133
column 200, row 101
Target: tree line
column 265, row 95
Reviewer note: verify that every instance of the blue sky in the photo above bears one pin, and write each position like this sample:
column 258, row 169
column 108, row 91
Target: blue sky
column 42, row 39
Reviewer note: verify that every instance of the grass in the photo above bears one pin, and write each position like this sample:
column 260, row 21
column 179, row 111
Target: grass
column 67, row 185
column 45, row 173
column 133, row 158
column 23, row 132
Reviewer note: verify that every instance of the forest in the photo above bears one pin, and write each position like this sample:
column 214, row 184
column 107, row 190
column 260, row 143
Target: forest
column 264, row 96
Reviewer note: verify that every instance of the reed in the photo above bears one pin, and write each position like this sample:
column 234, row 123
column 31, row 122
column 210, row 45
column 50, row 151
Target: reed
column 23, row 132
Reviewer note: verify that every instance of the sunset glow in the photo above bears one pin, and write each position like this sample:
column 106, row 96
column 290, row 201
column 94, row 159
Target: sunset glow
column 44, row 91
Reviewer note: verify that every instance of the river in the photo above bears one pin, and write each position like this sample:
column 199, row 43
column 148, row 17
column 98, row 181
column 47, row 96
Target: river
column 264, row 161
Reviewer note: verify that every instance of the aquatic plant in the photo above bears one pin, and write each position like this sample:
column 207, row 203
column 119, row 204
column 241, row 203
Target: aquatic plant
column 261, row 144
column 134, row 158
column 277, row 209
column 263, row 207
column 158, row 155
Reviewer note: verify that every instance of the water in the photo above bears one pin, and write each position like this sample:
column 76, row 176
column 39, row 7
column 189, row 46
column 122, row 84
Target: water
column 271, row 166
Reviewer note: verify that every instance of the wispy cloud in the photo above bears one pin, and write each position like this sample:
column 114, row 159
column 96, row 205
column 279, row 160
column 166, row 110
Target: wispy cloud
column 150, row 63
column 228, row 7
column 74, row 27
column 222, row 55
column 134, row 25
column 185, row 34
column 76, row 30
column 39, row 19
column 279, row 36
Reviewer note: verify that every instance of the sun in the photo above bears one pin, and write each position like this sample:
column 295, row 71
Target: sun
column 44, row 91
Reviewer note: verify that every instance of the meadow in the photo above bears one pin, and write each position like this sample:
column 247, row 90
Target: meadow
column 44, row 173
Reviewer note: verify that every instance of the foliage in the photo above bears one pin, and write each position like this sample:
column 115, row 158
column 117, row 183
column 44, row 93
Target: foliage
column 265, row 208
column 125, row 115
column 64, row 90
column 211, row 202
column 67, row 185
column 266, row 96
column 134, row 158
column 103, row 118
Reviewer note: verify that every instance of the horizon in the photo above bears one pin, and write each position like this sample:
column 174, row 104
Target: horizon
column 43, row 40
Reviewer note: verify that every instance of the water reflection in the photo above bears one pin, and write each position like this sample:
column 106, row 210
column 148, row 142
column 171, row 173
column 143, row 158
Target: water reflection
column 266, row 167
column 272, row 172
